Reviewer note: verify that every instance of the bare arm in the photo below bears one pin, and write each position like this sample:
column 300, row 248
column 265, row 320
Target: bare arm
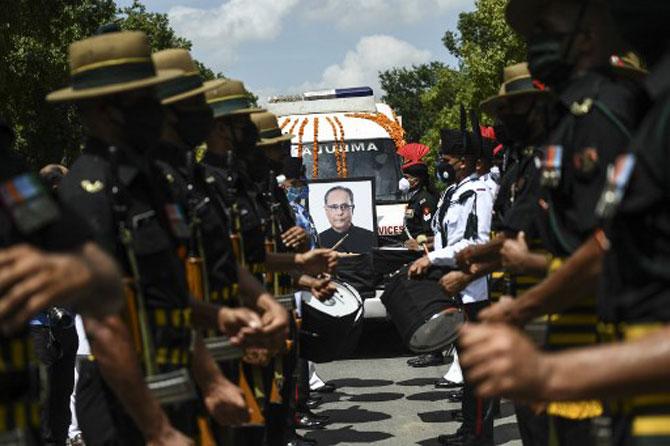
column 502, row 361
column 114, row 352
column 575, row 280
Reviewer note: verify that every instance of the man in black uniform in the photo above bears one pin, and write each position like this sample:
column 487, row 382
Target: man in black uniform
column 633, row 301
column 41, row 241
column 339, row 207
column 569, row 46
column 416, row 185
column 132, row 212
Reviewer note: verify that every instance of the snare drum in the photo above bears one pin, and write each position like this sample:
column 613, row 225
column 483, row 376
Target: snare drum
column 426, row 318
column 330, row 329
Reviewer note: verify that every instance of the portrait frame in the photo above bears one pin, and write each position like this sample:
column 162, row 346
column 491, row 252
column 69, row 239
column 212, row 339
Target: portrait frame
column 364, row 214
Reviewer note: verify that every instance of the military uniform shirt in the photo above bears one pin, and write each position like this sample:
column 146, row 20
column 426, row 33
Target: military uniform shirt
column 419, row 213
column 457, row 209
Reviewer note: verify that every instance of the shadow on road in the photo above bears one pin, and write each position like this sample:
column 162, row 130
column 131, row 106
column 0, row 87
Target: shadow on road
column 439, row 416
column 417, row 382
column 357, row 382
column 346, row 435
column 354, row 414
column 434, row 395
column 379, row 397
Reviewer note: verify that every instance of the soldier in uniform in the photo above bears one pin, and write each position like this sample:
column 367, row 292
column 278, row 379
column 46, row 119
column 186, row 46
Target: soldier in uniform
column 633, row 298
column 119, row 191
column 463, row 218
column 41, row 242
column 416, row 185
column 569, row 46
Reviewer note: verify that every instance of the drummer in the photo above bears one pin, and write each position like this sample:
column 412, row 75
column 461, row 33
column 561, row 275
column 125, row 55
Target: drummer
column 463, row 218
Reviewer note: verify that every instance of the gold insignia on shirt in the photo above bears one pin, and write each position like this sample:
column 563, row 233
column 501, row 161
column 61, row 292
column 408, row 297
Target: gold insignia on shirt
column 169, row 178
column 583, row 108
column 92, row 187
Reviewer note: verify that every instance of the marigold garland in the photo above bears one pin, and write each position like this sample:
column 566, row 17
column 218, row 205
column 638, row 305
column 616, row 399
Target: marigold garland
column 315, row 150
column 293, row 126
column 342, row 149
column 395, row 130
column 285, row 123
column 336, row 145
column 301, row 133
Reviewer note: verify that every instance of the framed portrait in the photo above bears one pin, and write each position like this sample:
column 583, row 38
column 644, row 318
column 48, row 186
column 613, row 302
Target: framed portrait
column 344, row 213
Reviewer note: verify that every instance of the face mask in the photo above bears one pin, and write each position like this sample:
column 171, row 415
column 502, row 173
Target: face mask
column 404, row 185
column 642, row 24
column 297, row 194
column 516, row 130
column 445, row 172
column 142, row 123
column 194, row 125
column 495, row 174
column 547, row 58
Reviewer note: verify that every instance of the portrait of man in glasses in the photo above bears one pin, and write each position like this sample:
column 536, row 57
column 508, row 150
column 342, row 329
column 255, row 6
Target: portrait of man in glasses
column 339, row 207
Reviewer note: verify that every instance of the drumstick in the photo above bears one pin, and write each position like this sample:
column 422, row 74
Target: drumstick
column 409, row 235
column 425, row 249
column 338, row 244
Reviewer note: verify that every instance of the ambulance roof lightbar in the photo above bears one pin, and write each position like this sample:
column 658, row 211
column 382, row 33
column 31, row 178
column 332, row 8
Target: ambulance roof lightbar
column 338, row 93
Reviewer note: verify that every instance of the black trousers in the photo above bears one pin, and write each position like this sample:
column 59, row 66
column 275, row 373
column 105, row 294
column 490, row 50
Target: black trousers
column 56, row 349
column 534, row 429
column 478, row 413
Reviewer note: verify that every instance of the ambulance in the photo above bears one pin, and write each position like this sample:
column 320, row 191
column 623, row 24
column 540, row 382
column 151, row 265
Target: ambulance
column 350, row 135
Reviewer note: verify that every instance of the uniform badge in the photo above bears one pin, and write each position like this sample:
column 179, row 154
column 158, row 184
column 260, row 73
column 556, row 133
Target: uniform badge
column 170, row 178
column 581, row 108
column 551, row 167
column 409, row 213
column 586, row 161
column 618, row 177
column 92, row 187
column 29, row 204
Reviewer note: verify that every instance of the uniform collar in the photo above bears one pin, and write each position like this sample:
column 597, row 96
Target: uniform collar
column 171, row 153
column 658, row 80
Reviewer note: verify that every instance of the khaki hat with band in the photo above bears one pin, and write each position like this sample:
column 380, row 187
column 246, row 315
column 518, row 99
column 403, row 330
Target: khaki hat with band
column 230, row 99
column 187, row 85
column 517, row 83
column 269, row 132
column 108, row 64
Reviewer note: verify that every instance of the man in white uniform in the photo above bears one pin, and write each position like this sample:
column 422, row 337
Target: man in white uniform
column 463, row 218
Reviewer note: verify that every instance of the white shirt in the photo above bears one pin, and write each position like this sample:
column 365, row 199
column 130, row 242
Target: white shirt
column 491, row 184
column 455, row 222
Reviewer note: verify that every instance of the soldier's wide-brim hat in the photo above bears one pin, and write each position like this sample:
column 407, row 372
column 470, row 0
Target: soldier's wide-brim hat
column 517, row 84
column 109, row 64
column 188, row 84
column 521, row 15
column 269, row 132
column 230, row 99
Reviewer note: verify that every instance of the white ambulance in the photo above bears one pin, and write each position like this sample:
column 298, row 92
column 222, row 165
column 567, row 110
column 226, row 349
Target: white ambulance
column 356, row 136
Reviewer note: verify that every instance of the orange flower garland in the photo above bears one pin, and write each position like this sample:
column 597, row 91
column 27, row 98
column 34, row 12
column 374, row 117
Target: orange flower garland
column 336, row 145
column 290, row 131
column 315, row 150
column 395, row 130
column 285, row 123
column 301, row 133
column 342, row 149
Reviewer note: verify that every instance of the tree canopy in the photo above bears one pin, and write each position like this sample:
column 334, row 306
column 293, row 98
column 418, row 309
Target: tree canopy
column 483, row 46
column 34, row 42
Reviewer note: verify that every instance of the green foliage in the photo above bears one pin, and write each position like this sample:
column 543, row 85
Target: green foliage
column 34, row 41
column 483, row 45
column 404, row 88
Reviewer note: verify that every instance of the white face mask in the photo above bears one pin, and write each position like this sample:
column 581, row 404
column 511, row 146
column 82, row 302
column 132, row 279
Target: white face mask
column 404, row 185
column 495, row 174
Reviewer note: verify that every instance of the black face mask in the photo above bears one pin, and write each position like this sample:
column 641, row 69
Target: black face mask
column 247, row 143
column 643, row 24
column 547, row 54
column 194, row 125
column 258, row 164
column 445, row 172
column 142, row 123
